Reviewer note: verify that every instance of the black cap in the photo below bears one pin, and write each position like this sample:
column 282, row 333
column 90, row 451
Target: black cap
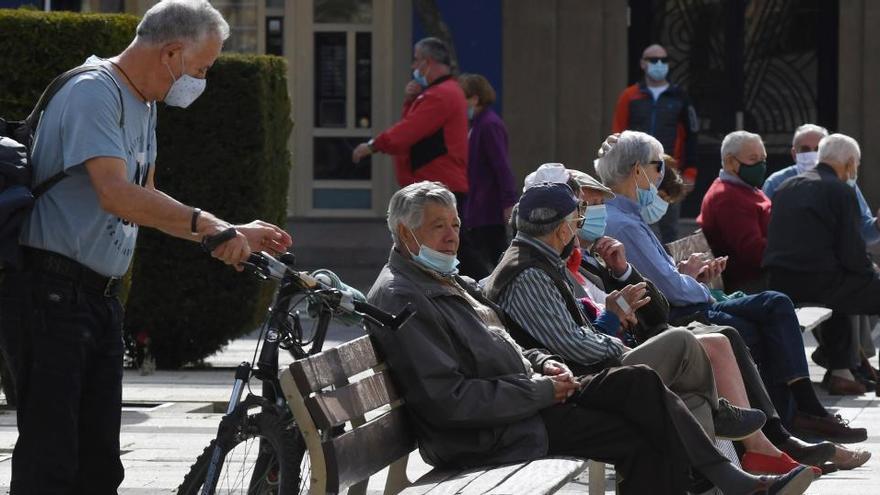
column 554, row 196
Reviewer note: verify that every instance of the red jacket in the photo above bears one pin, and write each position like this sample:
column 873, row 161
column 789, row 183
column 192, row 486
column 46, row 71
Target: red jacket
column 430, row 141
column 734, row 218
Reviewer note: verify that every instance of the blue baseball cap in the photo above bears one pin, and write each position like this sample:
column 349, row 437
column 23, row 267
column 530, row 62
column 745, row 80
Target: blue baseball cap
column 551, row 195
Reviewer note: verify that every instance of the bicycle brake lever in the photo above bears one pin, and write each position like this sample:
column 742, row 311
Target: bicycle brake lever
column 256, row 270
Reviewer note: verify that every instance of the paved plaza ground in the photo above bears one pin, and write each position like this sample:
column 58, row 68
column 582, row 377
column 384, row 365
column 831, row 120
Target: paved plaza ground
column 170, row 416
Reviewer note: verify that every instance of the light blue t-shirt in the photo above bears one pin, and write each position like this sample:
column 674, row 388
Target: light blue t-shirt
column 82, row 122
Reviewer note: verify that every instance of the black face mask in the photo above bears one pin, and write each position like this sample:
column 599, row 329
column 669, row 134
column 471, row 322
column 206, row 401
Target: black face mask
column 567, row 250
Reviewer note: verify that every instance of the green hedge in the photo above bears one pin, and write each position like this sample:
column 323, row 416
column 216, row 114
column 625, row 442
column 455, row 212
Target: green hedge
column 227, row 153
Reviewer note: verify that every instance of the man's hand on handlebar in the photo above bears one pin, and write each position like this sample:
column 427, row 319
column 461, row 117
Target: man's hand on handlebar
column 234, row 251
column 263, row 236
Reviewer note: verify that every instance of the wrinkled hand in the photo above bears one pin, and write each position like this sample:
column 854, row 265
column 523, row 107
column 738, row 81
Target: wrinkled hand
column 555, row 368
column 694, row 265
column 412, row 89
column 234, row 251
column 263, row 236
column 609, row 143
column 712, row 269
column 563, row 387
column 613, row 253
column 634, row 296
column 360, row 152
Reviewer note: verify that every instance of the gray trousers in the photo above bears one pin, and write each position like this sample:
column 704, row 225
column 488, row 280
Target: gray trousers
column 684, row 368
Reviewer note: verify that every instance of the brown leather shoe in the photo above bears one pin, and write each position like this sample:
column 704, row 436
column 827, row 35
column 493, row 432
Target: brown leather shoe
column 841, row 386
column 832, row 428
column 845, row 458
column 811, row 454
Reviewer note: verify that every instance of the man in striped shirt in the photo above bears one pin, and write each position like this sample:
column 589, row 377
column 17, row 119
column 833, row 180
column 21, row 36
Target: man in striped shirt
column 532, row 285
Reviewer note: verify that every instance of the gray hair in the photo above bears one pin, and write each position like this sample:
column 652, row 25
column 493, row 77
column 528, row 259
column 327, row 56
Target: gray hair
column 838, row 148
column 181, row 20
column 734, row 142
column 407, row 206
column 435, row 49
column 535, row 227
column 617, row 159
column 807, row 129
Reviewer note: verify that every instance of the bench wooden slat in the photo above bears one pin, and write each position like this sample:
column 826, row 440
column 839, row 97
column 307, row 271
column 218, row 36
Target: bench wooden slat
column 453, row 482
column 541, row 476
column 338, row 406
column 358, row 454
column 334, row 366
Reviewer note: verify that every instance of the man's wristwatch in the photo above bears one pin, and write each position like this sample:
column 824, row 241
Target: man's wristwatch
column 194, row 220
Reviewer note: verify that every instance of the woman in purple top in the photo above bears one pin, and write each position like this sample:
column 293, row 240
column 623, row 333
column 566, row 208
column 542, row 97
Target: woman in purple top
column 492, row 192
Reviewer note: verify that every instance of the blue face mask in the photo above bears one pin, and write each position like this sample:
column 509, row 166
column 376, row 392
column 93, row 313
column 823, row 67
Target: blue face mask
column 595, row 220
column 470, row 113
column 419, row 78
column 651, row 206
column 852, row 181
column 657, row 71
column 442, row 263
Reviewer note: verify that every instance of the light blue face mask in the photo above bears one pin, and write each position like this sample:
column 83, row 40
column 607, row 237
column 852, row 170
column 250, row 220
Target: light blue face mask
column 657, row 71
column 595, row 220
column 470, row 113
column 419, row 78
column 442, row 263
column 852, row 181
column 651, row 206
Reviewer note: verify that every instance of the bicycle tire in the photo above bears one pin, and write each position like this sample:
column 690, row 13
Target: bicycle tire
column 283, row 451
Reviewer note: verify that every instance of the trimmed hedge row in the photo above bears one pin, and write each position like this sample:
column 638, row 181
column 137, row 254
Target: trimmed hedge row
column 227, row 153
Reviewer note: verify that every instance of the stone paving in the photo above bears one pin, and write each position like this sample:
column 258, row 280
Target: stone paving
column 170, row 417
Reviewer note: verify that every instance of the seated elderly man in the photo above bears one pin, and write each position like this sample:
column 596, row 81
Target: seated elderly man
column 736, row 376
column 735, row 212
column 804, row 151
column 630, row 166
column 476, row 397
column 531, row 285
column 816, row 251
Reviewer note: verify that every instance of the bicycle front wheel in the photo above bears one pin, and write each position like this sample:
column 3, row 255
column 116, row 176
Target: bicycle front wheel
column 261, row 455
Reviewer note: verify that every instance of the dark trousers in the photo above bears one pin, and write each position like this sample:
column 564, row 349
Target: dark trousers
column 471, row 261
column 845, row 294
column 768, row 325
column 65, row 344
column 490, row 241
column 626, row 416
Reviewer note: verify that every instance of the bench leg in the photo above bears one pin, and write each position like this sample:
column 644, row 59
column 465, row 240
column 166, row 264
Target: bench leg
column 597, row 478
column 397, row 479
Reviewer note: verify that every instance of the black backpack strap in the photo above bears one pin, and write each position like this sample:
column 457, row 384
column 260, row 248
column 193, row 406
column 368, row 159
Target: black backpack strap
column 34, row 118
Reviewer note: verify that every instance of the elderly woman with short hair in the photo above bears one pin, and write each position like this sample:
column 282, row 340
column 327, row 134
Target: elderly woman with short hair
column 476, row 398
column 630, row 165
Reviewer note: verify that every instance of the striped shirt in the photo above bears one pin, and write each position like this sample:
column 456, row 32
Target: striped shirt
column 535, row 303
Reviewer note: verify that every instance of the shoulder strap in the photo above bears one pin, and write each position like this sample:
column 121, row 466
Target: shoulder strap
column 34, row 118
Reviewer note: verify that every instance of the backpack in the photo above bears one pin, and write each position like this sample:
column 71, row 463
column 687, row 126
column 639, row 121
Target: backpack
column 17, row 196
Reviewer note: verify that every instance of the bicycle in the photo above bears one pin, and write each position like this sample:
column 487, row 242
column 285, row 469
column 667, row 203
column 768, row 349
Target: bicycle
column 263, row 452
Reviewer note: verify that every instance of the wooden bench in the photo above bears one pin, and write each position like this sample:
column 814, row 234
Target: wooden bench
column 343, row 387
column 809, row 317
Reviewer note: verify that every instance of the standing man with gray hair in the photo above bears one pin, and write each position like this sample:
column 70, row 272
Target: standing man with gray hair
column 735, row 212
column 61, row 314
column 816, row 253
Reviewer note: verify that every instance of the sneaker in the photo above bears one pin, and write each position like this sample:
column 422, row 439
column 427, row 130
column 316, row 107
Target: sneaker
column 736, row 423
column 833, row 428
column 795, row 482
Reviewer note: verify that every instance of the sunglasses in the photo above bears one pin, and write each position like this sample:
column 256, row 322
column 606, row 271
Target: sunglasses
column 654, row 60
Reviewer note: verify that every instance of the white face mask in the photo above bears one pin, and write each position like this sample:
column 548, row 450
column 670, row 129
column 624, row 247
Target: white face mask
column 806, row 161
column 185, row 89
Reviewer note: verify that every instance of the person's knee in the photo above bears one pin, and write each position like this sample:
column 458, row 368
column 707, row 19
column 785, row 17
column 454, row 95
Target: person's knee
column 777, row 301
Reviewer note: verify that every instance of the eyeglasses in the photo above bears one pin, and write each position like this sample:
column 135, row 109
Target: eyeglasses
column 654, row 60
column 661, row 165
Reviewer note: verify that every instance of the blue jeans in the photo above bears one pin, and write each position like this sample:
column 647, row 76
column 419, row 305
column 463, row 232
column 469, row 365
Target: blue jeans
column 768, row 325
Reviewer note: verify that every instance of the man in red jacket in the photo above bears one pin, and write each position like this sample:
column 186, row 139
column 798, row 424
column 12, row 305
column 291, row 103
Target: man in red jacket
column 735, row 212
column 430, row 141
